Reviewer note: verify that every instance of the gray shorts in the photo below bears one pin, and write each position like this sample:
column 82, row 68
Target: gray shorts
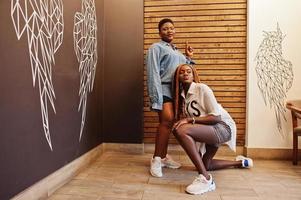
column 222, row 132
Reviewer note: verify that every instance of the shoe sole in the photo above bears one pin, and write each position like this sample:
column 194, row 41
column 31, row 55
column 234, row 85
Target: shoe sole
column 171, row 167
column 155, row 175
column 211, row 188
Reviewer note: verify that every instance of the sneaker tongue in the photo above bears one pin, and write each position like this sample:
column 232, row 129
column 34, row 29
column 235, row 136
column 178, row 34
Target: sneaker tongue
column 201, row 178
column 157, row 158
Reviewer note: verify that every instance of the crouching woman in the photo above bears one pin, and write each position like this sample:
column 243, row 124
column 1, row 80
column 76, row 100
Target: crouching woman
column 202, row 126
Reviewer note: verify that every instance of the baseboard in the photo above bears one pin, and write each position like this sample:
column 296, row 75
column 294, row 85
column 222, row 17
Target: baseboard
column 47, row 186
column 269, row 153
column 124, row 147
column 172, row 149
column 224, row 150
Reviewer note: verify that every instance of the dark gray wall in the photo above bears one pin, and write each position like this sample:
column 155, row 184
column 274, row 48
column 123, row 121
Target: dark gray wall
column 25, row 156
column 123, row 71
column 114, row 108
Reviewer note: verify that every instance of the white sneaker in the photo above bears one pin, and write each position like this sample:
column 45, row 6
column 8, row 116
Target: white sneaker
column 200, row 185
column 170, row 163
column 245, row 162
column 156, row 167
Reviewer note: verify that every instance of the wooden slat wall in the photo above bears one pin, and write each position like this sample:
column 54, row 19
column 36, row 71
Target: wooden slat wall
column 216, row 29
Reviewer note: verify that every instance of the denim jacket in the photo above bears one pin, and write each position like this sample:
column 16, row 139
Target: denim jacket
column 162, row 61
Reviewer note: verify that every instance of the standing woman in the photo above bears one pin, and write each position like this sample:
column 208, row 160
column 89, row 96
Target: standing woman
column 162, row 60
column 202, row 126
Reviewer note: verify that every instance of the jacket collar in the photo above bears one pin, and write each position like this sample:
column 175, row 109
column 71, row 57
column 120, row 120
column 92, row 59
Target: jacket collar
column 191, row 90
column 168, row 44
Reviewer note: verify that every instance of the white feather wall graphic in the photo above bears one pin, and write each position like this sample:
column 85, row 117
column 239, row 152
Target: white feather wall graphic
column 42, row 22
column 274, row 73
column 85, row 47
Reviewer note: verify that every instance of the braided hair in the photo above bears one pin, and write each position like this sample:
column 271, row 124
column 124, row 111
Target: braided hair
column 177, row 89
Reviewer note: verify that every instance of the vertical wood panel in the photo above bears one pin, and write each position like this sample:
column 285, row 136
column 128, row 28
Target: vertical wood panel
column 216, row 29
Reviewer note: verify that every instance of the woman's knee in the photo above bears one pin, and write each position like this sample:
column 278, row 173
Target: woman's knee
column 166, row 116
column 167, row 122
column 180, row 132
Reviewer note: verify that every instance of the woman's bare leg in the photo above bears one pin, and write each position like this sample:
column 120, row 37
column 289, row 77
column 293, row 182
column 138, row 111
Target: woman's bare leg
column 166, row 118
column 215, row 164
column 188, row 134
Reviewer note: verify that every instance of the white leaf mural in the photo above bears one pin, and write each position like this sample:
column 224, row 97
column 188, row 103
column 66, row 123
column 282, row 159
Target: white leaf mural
column 42, row 22
column 85, row 47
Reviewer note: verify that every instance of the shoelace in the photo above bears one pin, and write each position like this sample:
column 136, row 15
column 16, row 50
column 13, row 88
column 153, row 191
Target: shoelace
column 199, row 179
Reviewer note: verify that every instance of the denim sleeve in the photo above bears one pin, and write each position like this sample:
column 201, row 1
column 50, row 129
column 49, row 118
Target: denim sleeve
column 154, row 85
column 189, row 61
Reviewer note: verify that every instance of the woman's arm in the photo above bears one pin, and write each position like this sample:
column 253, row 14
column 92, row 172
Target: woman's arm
column 207, row 120
column 153, row 78
column 189, row 54
column 188, row 50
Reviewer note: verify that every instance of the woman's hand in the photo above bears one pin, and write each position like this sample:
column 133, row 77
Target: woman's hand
column 188, row 50
column 180, row 123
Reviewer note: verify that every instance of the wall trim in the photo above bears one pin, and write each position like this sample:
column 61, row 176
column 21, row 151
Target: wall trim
column 48, row 185
column 270, row 153
column 172, row 149
column 255, row 153
column 124, row 147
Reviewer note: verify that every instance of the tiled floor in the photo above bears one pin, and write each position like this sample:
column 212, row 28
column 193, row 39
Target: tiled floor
column 118, row 176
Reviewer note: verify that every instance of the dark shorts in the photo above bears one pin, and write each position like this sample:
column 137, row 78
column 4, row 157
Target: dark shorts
column 222, row 132
column 167, row 99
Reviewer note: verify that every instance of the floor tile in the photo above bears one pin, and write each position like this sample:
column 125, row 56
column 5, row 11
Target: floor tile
column 121, row 175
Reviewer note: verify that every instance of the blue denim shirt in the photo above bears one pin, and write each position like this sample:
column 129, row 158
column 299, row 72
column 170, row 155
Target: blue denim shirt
column 162, row 61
